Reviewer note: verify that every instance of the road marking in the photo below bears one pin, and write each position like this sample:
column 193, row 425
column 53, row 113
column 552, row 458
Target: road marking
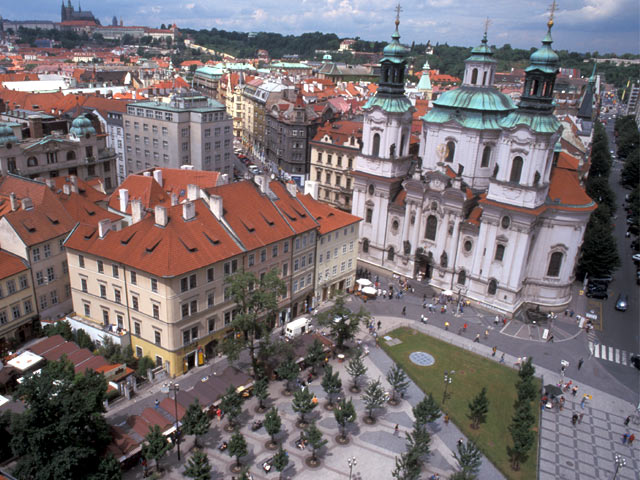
column 624, row 357
column 611, row 354
column 617, row 355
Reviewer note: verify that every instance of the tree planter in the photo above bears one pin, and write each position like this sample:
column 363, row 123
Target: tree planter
column 329, row 407
column 235, row 468
column 287, row 393
column 394, row 402
column 354, row 389
column 260, row 409
column 229, row 428
column 312, row 462
column 340, row 440
column 301, row 425
column 271, row 445
column 369, row 420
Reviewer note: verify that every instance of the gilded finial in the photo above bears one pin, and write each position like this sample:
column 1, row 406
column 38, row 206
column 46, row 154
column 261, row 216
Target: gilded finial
column 552, row 10
column 398, row 10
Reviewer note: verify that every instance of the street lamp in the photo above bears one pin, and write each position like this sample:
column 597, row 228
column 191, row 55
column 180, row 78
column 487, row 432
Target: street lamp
column 352, row 462
column 620, row 462
column 448, row 379
column 175, row 388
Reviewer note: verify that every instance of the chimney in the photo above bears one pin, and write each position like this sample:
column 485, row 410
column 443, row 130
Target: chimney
column 157, row 175
column 174, row 199
column 103, row 227
column 50, row 183
column 187, row 167
column 188, row 210
column 136, row 211
column 147, row 174
column 124, row 199
column 35, row 126
column 215, row 204
column 263, row 182
column 223, row 179
column 161, row 216
column 311, row 188
column 74, row 183
column 14, row 201
column 27, row 204
column 193, row 192
column 292, row 188
column 66, row 189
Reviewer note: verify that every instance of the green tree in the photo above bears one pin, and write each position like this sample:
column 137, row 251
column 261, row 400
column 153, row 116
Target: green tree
column 331, row 384
column 5, row 432
column 62, row 430
column 155, row 445
column 261, row 391
column 195, row 421
column 525, row 385
column 599, row 252
column 426, row 410
column 315, row 354
column 288, row 371
column 280, row 461
column 272, row 424
column 522, row 435
column 237, row 447
column 83, row 340
column 406, row 467
column 231, row 405
column 418, row 442
column 61, row 327
column 398, row 381
column 478, row 409
column 144, row 364
column 469, row 459
column 257, row 307
column 316, row 440
column 342, row 322
column 108, row 469
column 345, row 413
column 303, row 403
column 356, row 369
column 373, row 397
column 600, row 191
column 631, row 170
column 198, row 466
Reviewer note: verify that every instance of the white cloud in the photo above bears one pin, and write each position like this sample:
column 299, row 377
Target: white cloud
column 190, row 6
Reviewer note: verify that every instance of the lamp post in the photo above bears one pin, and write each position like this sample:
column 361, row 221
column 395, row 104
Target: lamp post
column 448, row 379
column 175, row 388
column 352, row 462
column 620, row 462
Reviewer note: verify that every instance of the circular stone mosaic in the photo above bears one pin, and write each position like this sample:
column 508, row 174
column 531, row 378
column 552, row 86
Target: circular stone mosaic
column 422, row 358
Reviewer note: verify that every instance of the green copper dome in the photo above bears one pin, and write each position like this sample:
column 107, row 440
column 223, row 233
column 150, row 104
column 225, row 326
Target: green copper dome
column 486, row 99
column 482, row 53
column 395, row 52
column 544, row 59
column 6, row 134
column 81, row 125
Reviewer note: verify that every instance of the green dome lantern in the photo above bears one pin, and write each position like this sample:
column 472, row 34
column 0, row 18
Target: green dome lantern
column 6, row 134
column 82, row 126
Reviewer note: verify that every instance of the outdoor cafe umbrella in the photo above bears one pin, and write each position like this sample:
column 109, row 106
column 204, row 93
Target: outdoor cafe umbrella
column 369, row 291
column 553, row 390
column 364, row 282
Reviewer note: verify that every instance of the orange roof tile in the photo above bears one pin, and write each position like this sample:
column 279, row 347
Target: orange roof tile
column 329, row 218
column 10, row 264
column 294, row 212
column 567, row 161
column 142, row 188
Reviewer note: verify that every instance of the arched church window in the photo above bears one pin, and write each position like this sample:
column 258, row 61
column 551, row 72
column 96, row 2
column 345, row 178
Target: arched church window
column 451, row 152
column 534, row 87
column 369, row 215
column 371, row 189
column 516, row 169
column 401, row 151
column 391, row 254
column 365, row 245
column 495, row 171
column 32, row 162
column 493, row 287
column 462, row 277
column 505, row 222
column 486, row 156
column 444, row 260
column 386, row 74
column 474, row 76
column 432, row 227
column 499, row 252
column 536, row 178
column 555, row 262
column 375, row 149
column 71, row 155
column 484, row 78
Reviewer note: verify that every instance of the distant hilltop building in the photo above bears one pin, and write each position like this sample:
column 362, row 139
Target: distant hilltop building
column 69, row 14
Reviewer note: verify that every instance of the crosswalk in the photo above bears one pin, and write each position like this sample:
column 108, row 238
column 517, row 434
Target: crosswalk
column 609, row 353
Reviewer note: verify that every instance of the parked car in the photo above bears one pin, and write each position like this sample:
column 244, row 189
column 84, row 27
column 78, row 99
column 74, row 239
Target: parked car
column 635, row 361
column 636, row 258
column 602, row 294
column 596, row 286
column 622, row 303
column 603, row 279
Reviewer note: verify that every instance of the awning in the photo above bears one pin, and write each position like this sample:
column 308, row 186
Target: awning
column 364, row 282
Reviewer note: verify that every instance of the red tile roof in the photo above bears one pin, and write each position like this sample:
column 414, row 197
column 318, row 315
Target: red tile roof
column 46, row 344
column 179, row 247
column 567, row 161
column 328, row 218
column 293, row 211
column 142, row 188
column 10, row 264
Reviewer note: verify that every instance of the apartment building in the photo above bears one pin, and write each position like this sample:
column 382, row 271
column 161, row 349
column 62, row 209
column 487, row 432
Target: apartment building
column 257, row 97
column 336, row 248
column 27, row 151
column 187, row 129
column 206, row 80
column 18, row 313
column 333, row 152
column 230, row 92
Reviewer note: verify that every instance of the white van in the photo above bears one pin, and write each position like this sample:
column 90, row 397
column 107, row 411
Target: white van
column 297, row 327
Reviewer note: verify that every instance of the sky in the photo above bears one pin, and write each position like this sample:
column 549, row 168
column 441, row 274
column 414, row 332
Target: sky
column 580, row 25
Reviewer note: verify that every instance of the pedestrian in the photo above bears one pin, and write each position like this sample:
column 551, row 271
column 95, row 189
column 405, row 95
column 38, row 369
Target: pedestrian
column 219, row 414
column 625, row 437
column 422, row 318
column 464, row 327
column 424, row 304
column 493, row 353
column 460, row 441
column 477, row 339
column 562, row 368
column 550, row 339
column 431, row 307
column 627, row 420
column 496, row 320
column 379, row 324
column 504, row 321
column 442, row 310
column 574, row 418
column 424, row 298
column 446, row 419
column 632, row 437
column 574, row 390
column 580, row 417
column 157, row 404
column 584, row 399
column 502, row 358
column 395, row 430
column 486, row 334
column 404, row 310
column 580, row 362
column 446, row 325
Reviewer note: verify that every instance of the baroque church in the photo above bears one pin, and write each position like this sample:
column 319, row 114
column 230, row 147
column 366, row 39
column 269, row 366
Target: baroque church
column 486, row 210
column 69, row 13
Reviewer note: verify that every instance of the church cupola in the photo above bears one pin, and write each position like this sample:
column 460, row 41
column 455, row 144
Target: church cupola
column 540, row 76
column 480, row 67
column 393, row 65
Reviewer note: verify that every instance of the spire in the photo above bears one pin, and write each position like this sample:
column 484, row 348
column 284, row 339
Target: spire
column 592, row 78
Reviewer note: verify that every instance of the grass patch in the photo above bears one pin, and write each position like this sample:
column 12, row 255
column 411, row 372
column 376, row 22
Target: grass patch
column 472, row 373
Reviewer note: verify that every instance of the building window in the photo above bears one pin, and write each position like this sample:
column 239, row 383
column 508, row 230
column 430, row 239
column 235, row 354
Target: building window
column 432, row 227
column 375, row 148
column 391, row 254
column 187, row 283
column 263, row 255
column 230, row 267
column 516, row 170
column 156, row 335
column 451, row 152
column 116, row 295
column 285, row 247
column 365, row 246
column 154, row 285
column 493, row 287
column 87, row 307
column 134, row 278
column 555, row 262
column 136, row 328
column 105, row 317
column 486, row 156
column 134, row 303
column 3, row 317
column 285, row 269
column 156, row 311
column 35, row 253
column 138, row 352
column 369, row 215
column 28, row 308
column 114, row 270
column 103, row 291
column 499, row 252
column 83, row 284
column 15, row 312
column 274, row 251
column 47, row 250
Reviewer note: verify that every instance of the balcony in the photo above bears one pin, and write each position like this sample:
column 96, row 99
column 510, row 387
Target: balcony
column 99, row 332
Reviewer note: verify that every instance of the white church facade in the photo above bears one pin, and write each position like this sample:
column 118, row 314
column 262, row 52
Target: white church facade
column 485, row 210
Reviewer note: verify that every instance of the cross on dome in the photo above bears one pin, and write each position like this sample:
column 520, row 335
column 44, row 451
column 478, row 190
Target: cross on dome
column 552, row 10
